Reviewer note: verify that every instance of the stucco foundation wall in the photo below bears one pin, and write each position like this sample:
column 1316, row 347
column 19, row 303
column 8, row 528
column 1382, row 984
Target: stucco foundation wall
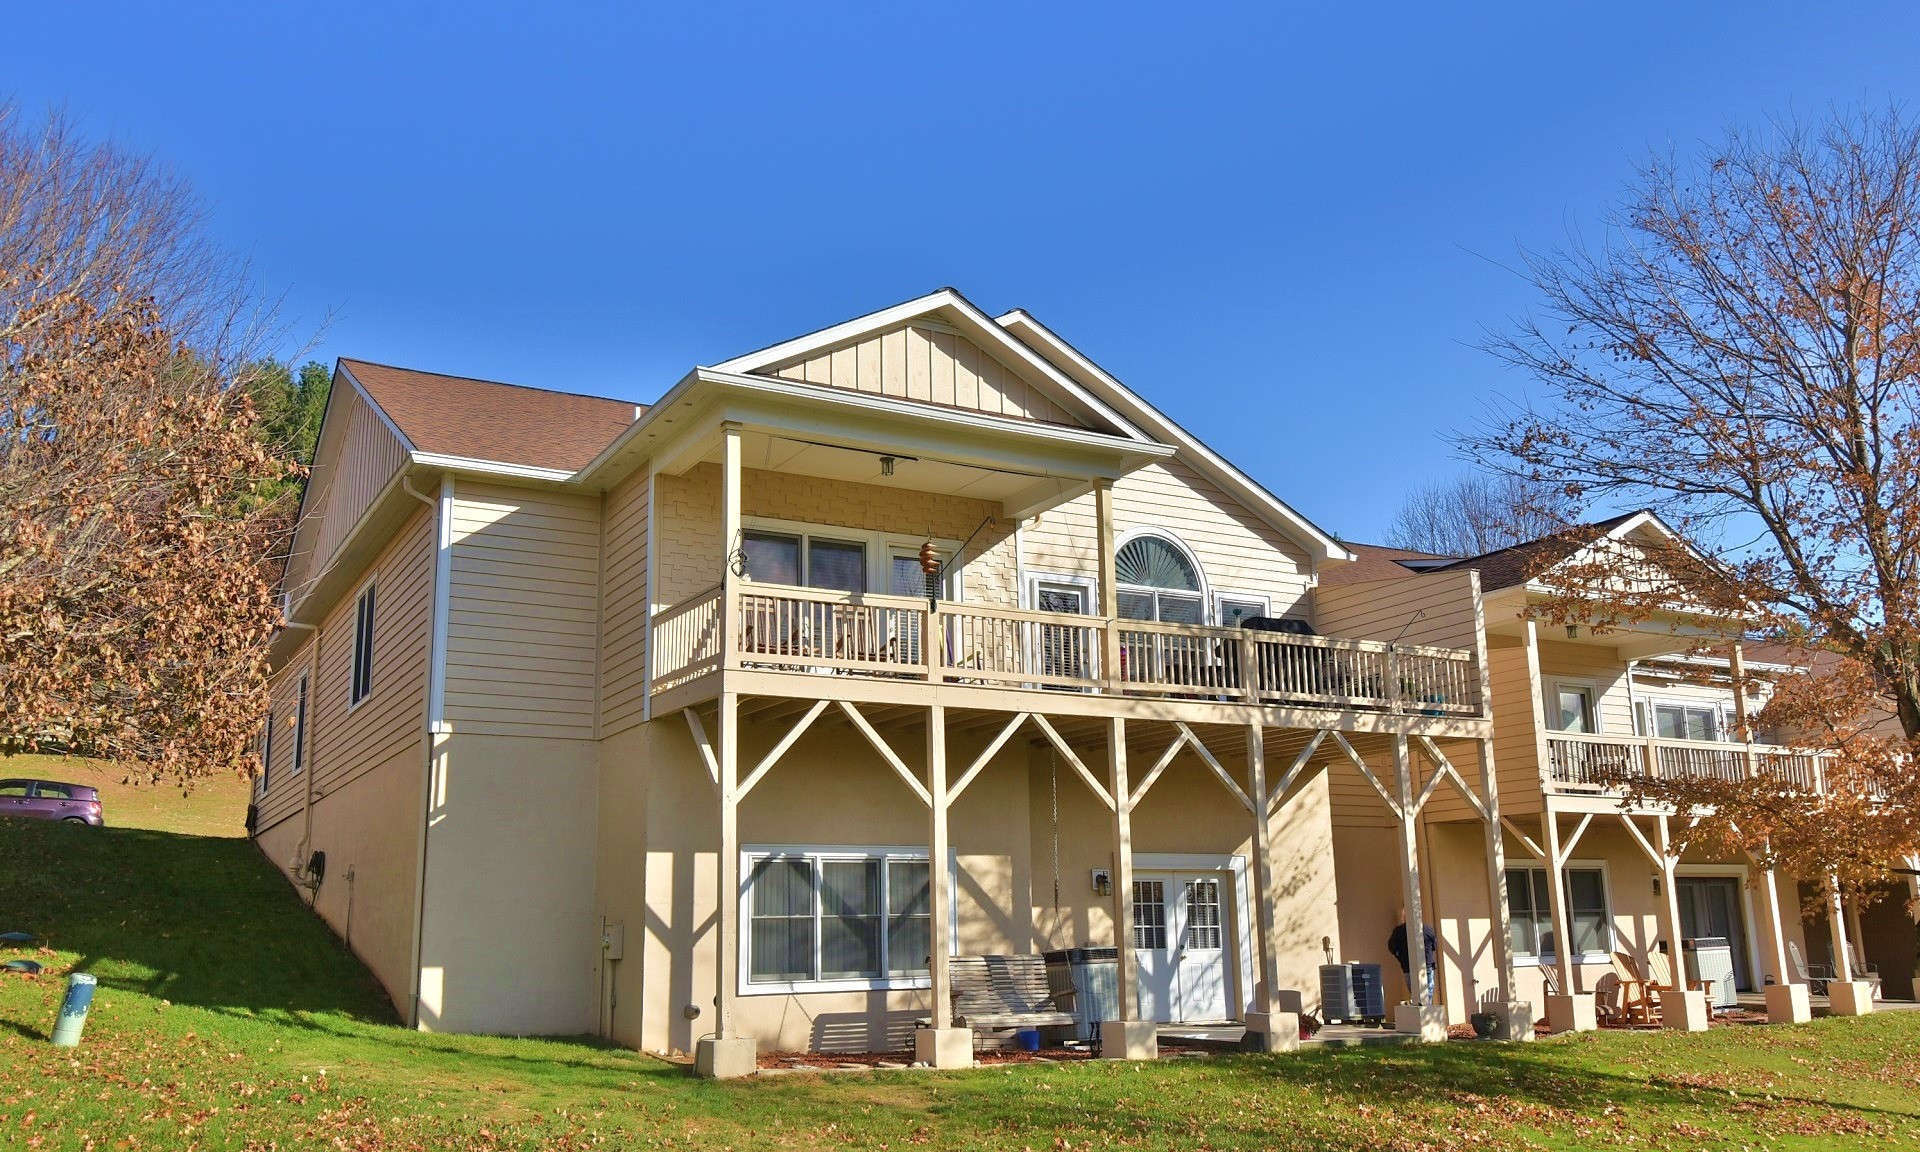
column 370, row 831
column 510, row 942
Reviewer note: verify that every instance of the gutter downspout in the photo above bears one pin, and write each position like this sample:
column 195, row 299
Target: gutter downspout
column 436, row 706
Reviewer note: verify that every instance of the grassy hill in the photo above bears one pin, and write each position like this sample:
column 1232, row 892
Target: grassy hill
column 213, row 807
column 228, row 1017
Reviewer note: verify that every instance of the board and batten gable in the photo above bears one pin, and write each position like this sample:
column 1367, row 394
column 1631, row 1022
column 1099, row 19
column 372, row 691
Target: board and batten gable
column 1238, row 552
column 523, row 618
column 928, row 362
column 357, row 456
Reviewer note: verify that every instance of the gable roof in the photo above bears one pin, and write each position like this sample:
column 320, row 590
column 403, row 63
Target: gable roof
column 1519, row 563
column 967, row 318
column 459, row 416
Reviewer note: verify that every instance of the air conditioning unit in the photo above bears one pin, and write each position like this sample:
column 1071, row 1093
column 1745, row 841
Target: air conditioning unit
column 1352, row 994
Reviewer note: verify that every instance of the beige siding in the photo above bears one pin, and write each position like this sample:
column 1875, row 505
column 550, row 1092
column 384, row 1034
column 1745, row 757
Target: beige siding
column 624, row 606
column 357, row 456
column 351, row 739
column 1603, row 668
column 1515, row 735
column 929, row 363
column 286, row 792
column 1237, row 551
column 1386, row 610
column 523, row 612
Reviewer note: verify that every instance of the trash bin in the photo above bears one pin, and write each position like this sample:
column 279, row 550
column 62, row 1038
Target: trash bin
column 1711, row 958
column 1085, row 982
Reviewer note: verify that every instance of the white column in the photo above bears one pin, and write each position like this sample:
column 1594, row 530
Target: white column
column 1680, row 1008
column 940, row 879
column 1423, row 1017
column 726, row 968
column 1109, row 589
column 1276, row 1030
column 730, row 540
column 1837, row 924
column 1128, row 1038
column 1498, row 929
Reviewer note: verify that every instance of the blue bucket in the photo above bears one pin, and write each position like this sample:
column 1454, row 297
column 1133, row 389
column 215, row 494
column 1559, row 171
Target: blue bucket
column 1027, row 1040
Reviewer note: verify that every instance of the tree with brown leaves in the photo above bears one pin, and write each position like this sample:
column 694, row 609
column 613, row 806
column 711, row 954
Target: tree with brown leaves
column 136, row 592
column 1743, row 356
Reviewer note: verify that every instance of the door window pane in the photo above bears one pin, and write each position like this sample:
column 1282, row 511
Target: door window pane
column 909, row 917
column 851, row 919
column 836, row 564
column 780, row 920
column 1203, row 914
column 1149, row 914
column 907, row 579
column 772, row 558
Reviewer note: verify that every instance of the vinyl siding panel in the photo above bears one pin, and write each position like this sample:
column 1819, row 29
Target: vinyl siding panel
column 356, row 458
column 1386, row 610
column 1515, row 734
column 285, row 793
column 624, row 604
column 523, row 619
column 1604, row 667
column 930, row 364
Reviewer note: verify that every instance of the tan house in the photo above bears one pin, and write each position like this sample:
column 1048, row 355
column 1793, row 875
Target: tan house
column 1572, row 709
column 730, row 720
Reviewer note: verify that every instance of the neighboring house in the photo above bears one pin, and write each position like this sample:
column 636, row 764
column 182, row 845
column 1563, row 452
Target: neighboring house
column 562, row 670
column 1571, row 707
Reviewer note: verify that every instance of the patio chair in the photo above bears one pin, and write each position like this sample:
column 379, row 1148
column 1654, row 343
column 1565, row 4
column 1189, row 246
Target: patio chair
column 1862, row 970
column 1637, row 1004
column 1814, row 976
column 1661, row 976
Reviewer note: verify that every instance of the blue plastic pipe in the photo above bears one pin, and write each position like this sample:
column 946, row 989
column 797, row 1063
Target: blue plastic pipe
column 73, row 1011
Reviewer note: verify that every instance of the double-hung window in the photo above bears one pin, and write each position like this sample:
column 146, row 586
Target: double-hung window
column 1530, row 915
column 1686, row 721
column 806, row 561
column 859, row 917
column 363, row 647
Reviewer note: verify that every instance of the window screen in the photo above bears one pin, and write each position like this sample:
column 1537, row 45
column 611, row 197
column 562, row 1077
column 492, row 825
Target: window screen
column 837, row 564
column 772, row 558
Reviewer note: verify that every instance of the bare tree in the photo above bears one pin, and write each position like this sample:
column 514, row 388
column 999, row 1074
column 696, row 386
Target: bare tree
column 1475, row 513
column 138, row 508
column 1743, row 355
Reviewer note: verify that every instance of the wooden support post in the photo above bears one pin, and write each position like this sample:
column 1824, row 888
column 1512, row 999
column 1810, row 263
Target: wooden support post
column 1267, row 984
column 1109, row 589
column 730, row 540
column 1837, row 924
column 1423, row 1017
column 1128, row 969
column 1498, row 926
column 1776, row 927
column 940, row 881
column 1557, row 899
column 1737, row 666
column 728, row 913
column 1680, row 1007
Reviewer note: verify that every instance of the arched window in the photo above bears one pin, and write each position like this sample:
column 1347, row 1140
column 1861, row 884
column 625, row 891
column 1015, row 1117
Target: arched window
column 1157, row 581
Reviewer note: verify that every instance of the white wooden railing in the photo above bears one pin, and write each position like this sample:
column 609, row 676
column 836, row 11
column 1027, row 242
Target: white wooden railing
column 813, row 630
column 1598, row 762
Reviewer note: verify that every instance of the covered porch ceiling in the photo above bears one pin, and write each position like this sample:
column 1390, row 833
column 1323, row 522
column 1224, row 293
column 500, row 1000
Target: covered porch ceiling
column 1509, row 611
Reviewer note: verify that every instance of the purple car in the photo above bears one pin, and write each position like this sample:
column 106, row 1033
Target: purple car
column 51, row 800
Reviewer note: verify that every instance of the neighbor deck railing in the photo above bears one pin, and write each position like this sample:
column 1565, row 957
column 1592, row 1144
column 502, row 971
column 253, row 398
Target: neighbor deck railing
column 896, row 637
column 1598, row 762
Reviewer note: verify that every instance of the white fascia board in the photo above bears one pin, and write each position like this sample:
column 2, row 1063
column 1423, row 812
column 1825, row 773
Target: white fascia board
column 1275, row 510
column 470, row 465
column 975, row 323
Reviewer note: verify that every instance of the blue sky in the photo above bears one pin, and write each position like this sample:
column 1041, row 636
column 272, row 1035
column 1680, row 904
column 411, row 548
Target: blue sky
column 1288, row 228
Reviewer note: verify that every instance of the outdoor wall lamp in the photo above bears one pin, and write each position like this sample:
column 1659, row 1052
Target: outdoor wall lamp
column 1102, row 882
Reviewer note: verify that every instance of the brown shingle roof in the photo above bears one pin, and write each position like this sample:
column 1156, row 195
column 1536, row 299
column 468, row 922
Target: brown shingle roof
column 1374, row 562
column 488, row 420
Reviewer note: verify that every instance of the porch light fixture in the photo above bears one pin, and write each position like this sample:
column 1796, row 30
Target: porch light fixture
column 1102, row 882
column 1573, row 631
column 886, row 465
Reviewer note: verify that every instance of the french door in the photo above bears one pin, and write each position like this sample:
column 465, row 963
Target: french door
column 1180, row 943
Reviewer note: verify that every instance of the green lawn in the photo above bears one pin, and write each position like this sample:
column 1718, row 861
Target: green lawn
column 229, row 1018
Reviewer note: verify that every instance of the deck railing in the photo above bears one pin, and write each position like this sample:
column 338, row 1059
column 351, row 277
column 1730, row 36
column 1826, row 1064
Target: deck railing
column 897, row 637
column 1599, row 762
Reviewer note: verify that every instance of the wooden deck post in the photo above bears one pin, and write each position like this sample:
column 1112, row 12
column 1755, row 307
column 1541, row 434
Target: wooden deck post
column 1127, row 1038
column 1499, row 928
column 1109, row 589
column 726, row 1053
column 1275, row 1030
column 1424, row 1017
column 943, row 1045
column 1681, row 1008
column 1569, row 1010
column 730, row 540
column 1847, row 994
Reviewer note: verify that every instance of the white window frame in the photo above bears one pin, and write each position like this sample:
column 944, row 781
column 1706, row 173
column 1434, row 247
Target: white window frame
column 753, row 853
column 1030, row 589
column 879, row 548
column 1550, row 706
column 1549, row 959
column 1653, row 705
column 1221, row 595
column 266, row 756
column 355, row 697
column 1204, row 592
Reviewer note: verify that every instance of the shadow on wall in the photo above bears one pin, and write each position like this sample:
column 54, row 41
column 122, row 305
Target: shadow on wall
column 206, row 921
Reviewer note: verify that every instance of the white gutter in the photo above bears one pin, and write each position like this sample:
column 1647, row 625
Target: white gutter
column 489, row 467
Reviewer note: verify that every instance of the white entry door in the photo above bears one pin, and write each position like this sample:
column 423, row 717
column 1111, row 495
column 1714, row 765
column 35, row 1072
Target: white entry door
column 1180, row 943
